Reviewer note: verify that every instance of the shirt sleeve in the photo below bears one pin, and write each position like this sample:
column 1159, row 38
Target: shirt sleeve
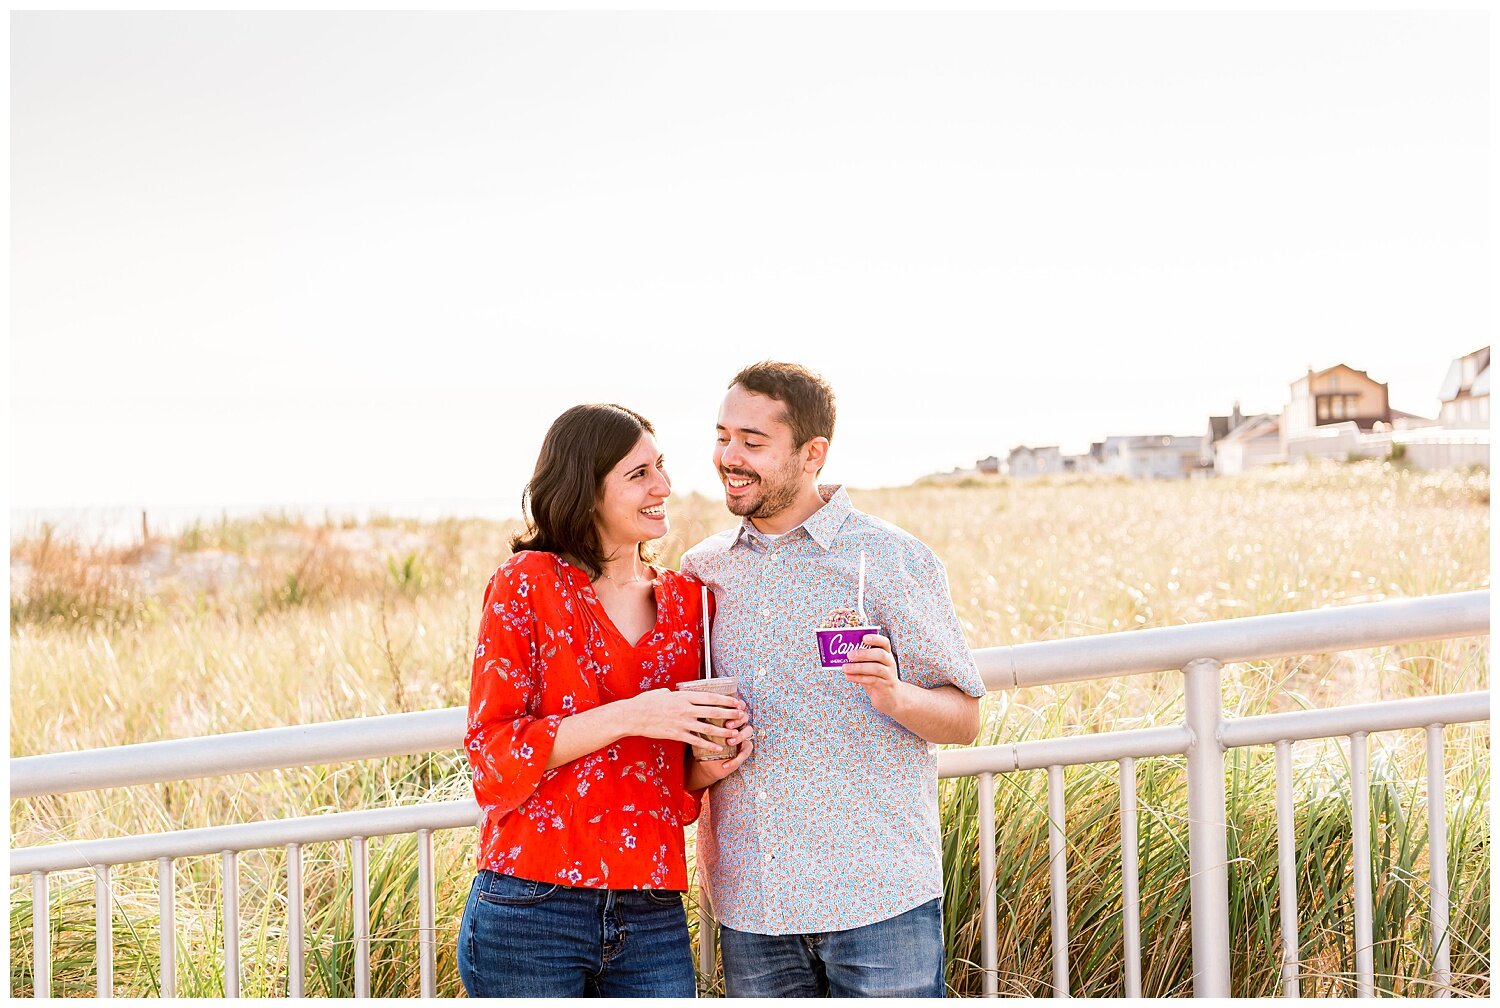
column 508, row 745
column 925, row 633
column 692, row 801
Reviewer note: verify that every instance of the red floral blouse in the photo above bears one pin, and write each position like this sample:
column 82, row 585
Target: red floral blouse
column 612, row 819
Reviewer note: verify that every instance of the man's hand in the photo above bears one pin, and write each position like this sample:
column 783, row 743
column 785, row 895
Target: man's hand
column 944, row 714
column 706, row 773
column 875, row 670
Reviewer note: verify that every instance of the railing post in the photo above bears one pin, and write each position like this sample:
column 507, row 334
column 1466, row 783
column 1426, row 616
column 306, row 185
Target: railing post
column 1130, row 873
column 231, row 865
column 708, row 963
column 167, row 896
column 988, row 938
column 360, row 868
column 1208, row 843
column 1437, row 856
column 41, row 935
column 1286, row 872
column 296, row 968
column 426, row 912
column 104, row 934
column 1364, row 909
column 1057, row 848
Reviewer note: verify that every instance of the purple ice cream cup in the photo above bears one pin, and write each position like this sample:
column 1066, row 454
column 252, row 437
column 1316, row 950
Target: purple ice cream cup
column 836, row 645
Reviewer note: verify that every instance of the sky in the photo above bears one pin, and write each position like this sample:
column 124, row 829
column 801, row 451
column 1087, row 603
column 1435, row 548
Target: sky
column 289, row 258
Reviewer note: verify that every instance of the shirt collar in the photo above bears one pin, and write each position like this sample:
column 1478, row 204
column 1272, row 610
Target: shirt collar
column 823, row 525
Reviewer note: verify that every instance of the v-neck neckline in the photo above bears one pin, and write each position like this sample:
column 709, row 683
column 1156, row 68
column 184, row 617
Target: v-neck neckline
column 582, row 582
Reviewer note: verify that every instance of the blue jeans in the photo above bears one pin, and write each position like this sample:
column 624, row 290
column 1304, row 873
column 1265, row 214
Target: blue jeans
column 521, row 938
column 899, row 957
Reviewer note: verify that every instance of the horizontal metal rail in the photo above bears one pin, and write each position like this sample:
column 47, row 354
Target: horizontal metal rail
column 1073, row 750
column 1036, row 754
column 245, row 836
column 238, row 752
column 1031, row 755
column 1248, row 638
column 1329, row 722
column 1158, row 649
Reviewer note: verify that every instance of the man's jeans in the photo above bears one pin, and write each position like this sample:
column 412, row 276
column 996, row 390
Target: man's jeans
column 521, row 938
column 899, row 957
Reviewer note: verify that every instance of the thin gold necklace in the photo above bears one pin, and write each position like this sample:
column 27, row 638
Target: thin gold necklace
column 635, row 580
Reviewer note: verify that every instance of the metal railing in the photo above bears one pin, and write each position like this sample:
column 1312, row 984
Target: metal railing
column 1200, row 651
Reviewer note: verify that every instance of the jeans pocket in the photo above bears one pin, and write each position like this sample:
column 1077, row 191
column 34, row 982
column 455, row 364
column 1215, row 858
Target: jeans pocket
column 507, row 890
column 663, row 897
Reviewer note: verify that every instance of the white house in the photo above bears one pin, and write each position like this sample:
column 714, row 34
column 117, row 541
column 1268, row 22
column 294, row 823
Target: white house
column 1024, row 461
column 1084, row 463
column 1152, row 456
column 1255, row 441
column 1466, row 392
column 1218, row 428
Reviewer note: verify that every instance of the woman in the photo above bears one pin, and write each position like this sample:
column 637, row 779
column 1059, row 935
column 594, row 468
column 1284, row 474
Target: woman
column 579, row 744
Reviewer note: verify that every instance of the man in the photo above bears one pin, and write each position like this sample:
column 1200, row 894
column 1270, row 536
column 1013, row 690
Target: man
column 822, row 853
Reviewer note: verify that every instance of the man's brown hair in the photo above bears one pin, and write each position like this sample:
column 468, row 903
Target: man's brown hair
column 806, row 399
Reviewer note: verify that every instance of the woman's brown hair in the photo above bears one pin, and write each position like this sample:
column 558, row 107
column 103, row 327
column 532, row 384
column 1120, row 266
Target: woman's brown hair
column 579, row 450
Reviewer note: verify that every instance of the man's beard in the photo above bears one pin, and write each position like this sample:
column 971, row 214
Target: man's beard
column 776, row 496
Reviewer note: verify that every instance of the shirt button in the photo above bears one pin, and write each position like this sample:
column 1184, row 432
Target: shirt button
column 760, row 671
column 765, row 614
column 761, row 796
column 768, row 857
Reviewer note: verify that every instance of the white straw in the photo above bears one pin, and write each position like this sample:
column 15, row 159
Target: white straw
column 708, row 661
column 861, row 599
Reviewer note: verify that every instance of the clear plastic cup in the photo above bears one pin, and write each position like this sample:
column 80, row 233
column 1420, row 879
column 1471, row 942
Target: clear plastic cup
column 723, row 687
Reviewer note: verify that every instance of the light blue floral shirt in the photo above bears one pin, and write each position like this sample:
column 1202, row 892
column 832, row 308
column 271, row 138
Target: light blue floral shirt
column 833, row 821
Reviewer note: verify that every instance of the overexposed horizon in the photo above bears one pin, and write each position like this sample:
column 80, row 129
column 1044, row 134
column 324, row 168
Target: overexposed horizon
column 262, row 258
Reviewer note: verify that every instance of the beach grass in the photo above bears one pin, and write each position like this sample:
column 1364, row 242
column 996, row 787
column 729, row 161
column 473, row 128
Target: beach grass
column 250, row 624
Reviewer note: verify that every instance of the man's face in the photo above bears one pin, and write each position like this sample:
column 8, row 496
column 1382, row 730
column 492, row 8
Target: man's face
column 763, row 472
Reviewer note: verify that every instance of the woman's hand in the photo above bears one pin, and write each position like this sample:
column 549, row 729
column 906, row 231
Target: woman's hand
column 675, row 715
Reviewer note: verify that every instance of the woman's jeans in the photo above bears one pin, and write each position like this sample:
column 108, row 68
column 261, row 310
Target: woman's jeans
column 521, row 938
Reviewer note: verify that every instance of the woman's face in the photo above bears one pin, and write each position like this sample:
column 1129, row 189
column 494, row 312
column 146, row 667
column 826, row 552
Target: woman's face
column 632, row 507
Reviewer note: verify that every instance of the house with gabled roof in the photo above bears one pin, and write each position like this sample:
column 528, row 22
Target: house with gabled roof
column 1335, row 395
column 1024, row 461
column 1256, row 441
column 1218, row 428
column 1465, row 394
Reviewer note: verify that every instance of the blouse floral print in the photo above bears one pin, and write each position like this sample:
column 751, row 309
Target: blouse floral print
column 612, row 819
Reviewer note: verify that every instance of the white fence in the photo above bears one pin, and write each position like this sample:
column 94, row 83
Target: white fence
column 1425, row 447
column 1200, row 651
